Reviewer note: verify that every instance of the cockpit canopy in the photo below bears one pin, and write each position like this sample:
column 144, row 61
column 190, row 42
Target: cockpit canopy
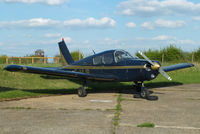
column 107, row 58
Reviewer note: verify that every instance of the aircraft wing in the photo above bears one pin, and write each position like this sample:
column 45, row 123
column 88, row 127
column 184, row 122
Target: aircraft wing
column 177, row 66
column 59, row 72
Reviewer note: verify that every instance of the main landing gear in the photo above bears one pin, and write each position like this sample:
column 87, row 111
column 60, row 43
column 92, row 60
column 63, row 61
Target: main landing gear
column 82, row 90
column 143, row 92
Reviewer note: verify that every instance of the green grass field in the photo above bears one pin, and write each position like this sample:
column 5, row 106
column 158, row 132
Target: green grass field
column 22, row 85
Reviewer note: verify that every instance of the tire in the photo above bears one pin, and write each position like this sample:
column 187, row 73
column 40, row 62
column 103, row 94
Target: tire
column 136, row 96
column 138, row 88
column 82, row 92
column 144, row 93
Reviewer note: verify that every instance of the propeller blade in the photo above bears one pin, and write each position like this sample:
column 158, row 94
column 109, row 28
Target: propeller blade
column 146, row 58
column 161, row 71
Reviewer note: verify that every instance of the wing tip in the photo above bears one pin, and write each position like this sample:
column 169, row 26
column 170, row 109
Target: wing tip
column 13, row 68
column 192, row 65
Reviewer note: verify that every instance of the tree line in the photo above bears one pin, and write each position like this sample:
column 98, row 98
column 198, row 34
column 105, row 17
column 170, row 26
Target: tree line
column 172, row 54
column 168, row 54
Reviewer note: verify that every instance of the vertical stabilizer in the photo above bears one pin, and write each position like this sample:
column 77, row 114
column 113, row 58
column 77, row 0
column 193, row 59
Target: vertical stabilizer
column 65, row 54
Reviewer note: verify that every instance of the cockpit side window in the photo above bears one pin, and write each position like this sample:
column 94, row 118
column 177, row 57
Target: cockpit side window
column 122, row 55
column 97, row 60
column 108, row 58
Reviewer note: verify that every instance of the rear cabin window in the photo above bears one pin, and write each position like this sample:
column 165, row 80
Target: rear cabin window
column 108, row 58
column 97, row 60
column 87, row 62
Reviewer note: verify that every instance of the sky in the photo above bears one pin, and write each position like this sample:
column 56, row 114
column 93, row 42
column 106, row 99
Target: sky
column 87, row 25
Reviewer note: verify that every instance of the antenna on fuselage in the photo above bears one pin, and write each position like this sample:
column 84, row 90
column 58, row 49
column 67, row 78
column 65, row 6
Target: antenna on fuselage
column 93, row 51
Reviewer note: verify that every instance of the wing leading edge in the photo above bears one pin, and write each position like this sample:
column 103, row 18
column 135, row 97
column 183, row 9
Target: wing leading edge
column 177, row 66
column 59, row 72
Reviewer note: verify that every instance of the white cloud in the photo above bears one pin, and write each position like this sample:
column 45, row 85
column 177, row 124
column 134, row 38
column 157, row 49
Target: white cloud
column 163, row 37
column 158, row 8
column 131, row 25
column 68, row 39
column 49, row 23
column 53, row 41
column 51, row 35
column 86, row 42
column 90, row 22
column 31, row 23
column 48, row 2
column 173, row 40
column 160, row 23
column 197, row 18
column 166, row 39
column 170, row 24
column 148, row 25
column 187, row 42
column 109, row 41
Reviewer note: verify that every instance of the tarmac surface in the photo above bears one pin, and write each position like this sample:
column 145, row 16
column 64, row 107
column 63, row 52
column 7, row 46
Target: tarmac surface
column 177, row 111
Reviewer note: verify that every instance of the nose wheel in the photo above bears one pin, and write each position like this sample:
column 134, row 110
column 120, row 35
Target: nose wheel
column 143, row 92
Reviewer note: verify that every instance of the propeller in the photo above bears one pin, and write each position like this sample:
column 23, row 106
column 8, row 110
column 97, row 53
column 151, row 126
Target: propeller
column 155, row 66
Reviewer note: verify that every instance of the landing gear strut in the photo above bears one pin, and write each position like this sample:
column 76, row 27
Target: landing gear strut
column 82, row 90
column 143, row 92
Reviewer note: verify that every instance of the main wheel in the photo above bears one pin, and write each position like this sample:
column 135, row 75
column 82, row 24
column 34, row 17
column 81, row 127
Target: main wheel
column 82, row 92
column 144, row 93
column 138, row 88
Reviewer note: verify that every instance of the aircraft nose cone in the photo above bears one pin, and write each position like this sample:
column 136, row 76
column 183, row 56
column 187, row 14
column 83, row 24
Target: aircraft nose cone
column 13, row 68
column 156, row 66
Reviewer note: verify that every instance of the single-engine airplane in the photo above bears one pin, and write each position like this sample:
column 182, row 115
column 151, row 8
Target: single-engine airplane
column 111, row 65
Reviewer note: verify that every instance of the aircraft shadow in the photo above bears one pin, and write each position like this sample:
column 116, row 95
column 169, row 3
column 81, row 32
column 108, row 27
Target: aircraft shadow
column 96, row 87
column 162, row 84
column 113, row 87
column 5, row 89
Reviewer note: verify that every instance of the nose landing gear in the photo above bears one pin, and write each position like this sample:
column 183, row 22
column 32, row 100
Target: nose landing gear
column 143, row 92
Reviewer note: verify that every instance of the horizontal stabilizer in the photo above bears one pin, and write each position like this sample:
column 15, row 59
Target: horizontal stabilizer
column 177, row 66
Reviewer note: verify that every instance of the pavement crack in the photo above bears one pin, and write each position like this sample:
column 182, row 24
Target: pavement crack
column 118, row 110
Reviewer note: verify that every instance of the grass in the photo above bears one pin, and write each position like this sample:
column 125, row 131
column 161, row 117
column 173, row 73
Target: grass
column 146, row 124
column 22, row 85
column 17, row 85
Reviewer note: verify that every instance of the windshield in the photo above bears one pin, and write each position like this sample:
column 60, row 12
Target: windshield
column 122, row 55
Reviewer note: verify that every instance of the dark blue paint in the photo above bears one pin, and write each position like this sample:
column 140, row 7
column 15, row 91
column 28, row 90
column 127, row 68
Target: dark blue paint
column 65, row 51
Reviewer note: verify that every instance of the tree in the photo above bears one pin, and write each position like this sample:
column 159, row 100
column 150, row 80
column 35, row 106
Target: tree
column 152, row 54
column 197, row 55
column 172, row 54
column 3, row 59
column 76, row 55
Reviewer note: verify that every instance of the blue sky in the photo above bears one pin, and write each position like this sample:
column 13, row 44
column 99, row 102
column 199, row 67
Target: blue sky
column 86, row 25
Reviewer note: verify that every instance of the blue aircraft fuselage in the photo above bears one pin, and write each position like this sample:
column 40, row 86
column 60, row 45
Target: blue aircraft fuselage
column 125, row 68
